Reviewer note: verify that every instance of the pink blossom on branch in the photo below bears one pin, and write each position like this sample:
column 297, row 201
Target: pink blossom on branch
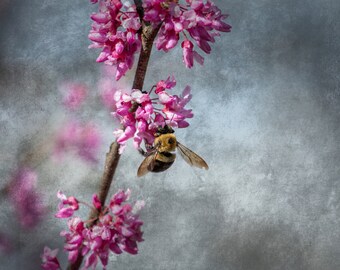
column 117, row 229
column 49, row 259
column 22, row 192
column 141, row 115
column 67, row 206
column 116, row 29
column 201, row 20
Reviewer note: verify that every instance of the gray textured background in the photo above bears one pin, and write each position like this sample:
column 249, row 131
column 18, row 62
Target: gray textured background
column 267, row 111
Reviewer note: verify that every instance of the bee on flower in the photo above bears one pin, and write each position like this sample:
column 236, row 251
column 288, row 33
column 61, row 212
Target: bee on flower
column 152, row 120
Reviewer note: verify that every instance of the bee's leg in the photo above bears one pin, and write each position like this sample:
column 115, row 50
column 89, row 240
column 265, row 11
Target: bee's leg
column 142, row 152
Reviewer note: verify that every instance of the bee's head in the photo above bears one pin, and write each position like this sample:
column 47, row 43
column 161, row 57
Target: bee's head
column 166, row 142
column 164, row 130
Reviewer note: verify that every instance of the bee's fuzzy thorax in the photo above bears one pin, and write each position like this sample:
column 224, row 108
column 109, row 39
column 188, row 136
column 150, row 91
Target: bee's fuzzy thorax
column 166, row 142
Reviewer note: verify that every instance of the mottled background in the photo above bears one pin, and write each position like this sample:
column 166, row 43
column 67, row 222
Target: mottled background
column 267, row 111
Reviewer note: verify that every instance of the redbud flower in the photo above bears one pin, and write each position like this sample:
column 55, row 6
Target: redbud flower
column 67, row 206
column 169, row 83
column 140, row 117
column 201, row 20
column 83, row 139
column 49, row 259
column 26, row 200
column 95, row 201
column 116, row 29
column 117, row 229
column 189, row 55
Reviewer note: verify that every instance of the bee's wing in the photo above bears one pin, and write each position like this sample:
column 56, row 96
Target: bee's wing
column 147, row 163
column 191, row 158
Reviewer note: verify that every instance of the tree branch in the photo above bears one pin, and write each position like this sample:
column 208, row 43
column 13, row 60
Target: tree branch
column 148, row 35
column 139, row 8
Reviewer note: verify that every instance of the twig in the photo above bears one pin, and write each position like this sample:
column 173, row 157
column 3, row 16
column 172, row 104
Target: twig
column 148, row 35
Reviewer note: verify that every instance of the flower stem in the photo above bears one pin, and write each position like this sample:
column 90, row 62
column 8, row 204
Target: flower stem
column 148, row 35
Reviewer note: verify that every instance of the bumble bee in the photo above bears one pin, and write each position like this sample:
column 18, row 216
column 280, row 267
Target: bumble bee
column 160, row 157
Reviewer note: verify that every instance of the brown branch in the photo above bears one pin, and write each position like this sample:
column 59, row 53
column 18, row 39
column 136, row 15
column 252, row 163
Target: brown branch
column 111, row 162
column 148, row 35
column 112, row 158
column 139, row 8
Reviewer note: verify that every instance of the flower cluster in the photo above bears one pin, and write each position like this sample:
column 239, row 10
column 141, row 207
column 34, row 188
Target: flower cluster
column 140, row 118
column 83, row 139
column 67, row 206
column 200, row 20
column 25, row 198
column 49, row 259
column 115, row 29
column 117, row 229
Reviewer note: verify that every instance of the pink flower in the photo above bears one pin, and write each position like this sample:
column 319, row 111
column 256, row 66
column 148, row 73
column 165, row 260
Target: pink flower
column 189, row 55
column 83, row 139
column 202, row 21
column 95, row 201
column 116, row 29
column 74, row 238
column 118, row 229
column 174, row 108
column 169, row 83
column 25, row 198
column 49, row 259
column 67, row 206
column 75, row 95
column 140, row 117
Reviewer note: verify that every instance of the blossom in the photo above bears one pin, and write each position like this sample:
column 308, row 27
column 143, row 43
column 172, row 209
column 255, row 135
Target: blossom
column 114, row 29
column 201, row 20
column 117, row 229
column 74, row 238
column 83, row 139
column 67, row 206
column 116, row 25
column 26, row 200
column 140, row 117
column 49, row 259
column 169, row 83
column 74, row 96
column 189, row 55
column 174, row 107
